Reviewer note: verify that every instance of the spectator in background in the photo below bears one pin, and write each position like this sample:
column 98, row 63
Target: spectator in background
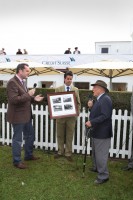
column 2, row 51
column 19, row 52
column 25, row 51
column 68, row 51
column 76, row 51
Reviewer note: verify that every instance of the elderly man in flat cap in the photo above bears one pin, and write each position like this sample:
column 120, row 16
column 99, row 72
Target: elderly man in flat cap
column 101, row 122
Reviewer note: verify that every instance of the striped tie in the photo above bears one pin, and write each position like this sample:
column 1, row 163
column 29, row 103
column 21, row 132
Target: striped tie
column 23, row 83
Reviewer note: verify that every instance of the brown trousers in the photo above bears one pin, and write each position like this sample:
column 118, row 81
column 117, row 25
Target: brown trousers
column 65, row 132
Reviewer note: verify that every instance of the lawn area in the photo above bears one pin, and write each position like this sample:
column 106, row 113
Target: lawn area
column 49, row 179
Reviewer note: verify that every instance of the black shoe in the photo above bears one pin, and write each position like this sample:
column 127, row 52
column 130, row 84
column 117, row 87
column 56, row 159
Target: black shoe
column 101, row 181
column 92, row 170
column 127, row 168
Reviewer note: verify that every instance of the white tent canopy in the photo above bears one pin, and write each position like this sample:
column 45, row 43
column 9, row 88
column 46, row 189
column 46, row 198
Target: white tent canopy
column 109, row 69
column 36, row 68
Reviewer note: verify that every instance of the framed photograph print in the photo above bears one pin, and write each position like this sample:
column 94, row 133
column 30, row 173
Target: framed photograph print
column 62, row 104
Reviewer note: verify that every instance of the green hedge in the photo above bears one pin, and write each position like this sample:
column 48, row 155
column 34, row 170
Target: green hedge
column 121, row 100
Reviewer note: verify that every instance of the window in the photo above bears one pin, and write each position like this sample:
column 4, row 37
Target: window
column 47, row 84
column 119, row 86
column 104, row 50
column 82, row 85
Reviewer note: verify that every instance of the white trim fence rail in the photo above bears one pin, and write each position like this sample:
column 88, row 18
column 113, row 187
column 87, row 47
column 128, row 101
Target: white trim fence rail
column 45, row 131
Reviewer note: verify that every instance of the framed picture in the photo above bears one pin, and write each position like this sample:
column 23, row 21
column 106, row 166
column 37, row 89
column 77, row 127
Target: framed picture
column 62, row 104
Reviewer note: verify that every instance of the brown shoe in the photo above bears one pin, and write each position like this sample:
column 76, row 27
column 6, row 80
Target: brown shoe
column 56, row 156
column 20, row 165
column 69, row 158
column 32, row 158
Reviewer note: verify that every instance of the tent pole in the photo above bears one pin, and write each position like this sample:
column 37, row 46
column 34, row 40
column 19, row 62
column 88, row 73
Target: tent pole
column 110, row 76
column 110, row 83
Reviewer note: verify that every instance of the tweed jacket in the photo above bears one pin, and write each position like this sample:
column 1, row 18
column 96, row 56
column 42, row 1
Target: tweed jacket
column 101, row 117
column 72, row 88
column 19, row 102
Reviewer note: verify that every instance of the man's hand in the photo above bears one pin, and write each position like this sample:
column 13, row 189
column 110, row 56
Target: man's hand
column 90, row 103
column 38, row 98
column 88, row 124
column 31, row 92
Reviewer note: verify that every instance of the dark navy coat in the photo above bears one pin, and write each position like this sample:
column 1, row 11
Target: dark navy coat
column 101, row 117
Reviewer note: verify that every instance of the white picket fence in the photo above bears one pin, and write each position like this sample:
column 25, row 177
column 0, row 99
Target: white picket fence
column 45, row 132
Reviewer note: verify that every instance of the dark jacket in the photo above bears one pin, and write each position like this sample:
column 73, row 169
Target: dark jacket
column 19, row 102
column 67, row 52
column 101, row 117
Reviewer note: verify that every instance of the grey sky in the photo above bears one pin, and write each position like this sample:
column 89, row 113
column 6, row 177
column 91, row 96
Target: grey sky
column 51, row 26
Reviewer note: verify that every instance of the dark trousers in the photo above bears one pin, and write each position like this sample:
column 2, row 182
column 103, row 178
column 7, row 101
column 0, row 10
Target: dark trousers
column 130, row 164
column 26, row 131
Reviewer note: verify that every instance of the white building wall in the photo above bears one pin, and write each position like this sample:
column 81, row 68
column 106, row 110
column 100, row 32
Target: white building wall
column 63, row 61
column 93, row 79
column 56, row 79
column 119, row 47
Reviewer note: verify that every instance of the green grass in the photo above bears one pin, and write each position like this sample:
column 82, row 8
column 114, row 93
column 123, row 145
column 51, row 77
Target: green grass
column 49, row 179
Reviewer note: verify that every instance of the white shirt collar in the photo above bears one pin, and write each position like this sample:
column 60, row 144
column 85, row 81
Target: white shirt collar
column 100, row 96
column 67, row 86
column 19, row 78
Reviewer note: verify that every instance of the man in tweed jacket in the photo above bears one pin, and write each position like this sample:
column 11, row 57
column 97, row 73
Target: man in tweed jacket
column 66, row 125
column 19, row 114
